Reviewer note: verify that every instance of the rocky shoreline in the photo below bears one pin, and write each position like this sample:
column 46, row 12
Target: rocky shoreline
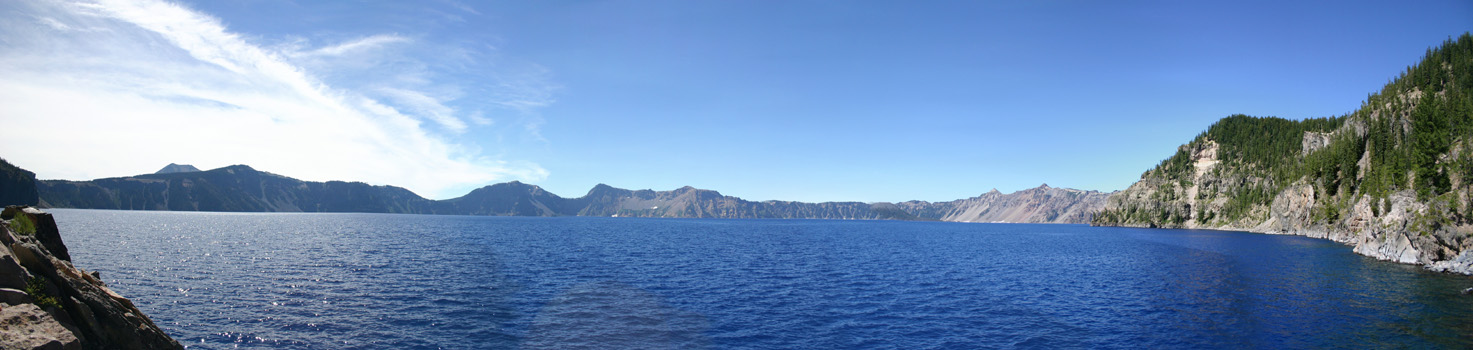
column 1394, row 229
column 48, row 303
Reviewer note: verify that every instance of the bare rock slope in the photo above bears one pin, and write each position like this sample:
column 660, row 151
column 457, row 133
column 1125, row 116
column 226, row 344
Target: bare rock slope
column 1042, row 204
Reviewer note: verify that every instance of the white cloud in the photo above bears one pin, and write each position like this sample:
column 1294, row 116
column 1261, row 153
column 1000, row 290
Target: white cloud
column 355, row 46
column 427, row 106
column 54, row 24
column 159, row 83
column 463, row 7
column 480, row 119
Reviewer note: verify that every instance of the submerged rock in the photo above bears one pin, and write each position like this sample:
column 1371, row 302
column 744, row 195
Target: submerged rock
column 54, row 305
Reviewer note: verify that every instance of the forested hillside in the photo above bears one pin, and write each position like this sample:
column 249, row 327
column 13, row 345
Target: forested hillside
column 1391, row 178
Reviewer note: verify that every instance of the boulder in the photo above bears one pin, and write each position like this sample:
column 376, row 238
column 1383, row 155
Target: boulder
column 11, row 274
column 14, row 297
column 48, row 234
column 9, row 212
column 26, row 326
column 90, row 316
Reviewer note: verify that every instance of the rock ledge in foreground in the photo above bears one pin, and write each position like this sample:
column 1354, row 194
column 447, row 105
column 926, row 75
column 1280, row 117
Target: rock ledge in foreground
column 50, row 304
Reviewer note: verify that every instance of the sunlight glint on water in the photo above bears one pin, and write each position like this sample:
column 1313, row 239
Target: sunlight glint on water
column 370, row 281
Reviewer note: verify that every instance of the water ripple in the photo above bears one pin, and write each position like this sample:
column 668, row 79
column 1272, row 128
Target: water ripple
column 366, row 281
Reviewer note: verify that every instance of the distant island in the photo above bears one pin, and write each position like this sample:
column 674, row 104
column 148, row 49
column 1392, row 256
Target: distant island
column 240, row 188
column 1394, row 179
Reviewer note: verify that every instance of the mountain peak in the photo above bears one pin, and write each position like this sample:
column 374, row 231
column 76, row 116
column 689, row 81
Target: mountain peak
column 240, row 167
column 604, row 189
column 177, row 168
column 518, row 184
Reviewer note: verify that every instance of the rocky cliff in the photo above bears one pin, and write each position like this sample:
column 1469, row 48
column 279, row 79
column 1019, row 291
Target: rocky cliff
column 243, row 189
column 17, row 186
column 1041, row 204
column 51, row 304
column 1390, row 179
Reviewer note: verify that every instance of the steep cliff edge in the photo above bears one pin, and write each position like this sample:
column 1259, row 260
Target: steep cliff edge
column 50, row 304
column 17, row 186
column 1391, row 179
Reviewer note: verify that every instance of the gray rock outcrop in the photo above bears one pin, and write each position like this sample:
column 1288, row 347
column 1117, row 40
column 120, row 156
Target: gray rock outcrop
column 1210, row 195
column 26, row 326
column 52, row 304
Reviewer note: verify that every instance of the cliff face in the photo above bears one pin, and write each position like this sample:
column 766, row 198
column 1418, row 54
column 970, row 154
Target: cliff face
column 51, row 304
column 1391, row 179
column 17, row 186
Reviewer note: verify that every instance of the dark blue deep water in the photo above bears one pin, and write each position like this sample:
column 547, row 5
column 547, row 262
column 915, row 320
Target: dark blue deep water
column 371, row 281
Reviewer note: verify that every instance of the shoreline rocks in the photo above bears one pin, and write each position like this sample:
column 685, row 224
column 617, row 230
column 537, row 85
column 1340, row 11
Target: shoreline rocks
column 51, row 304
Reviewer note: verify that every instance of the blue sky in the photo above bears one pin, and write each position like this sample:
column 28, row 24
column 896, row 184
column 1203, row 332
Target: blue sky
column 790, row 100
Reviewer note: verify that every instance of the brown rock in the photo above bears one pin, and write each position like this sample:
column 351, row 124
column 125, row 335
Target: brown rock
column 47, row 233
column 14, row 297
column 26, row 326
column 93, row 316
column 11, row 274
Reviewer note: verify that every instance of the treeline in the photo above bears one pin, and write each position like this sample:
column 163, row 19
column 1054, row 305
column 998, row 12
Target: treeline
column 1416, row 134
column 1418, row 119
column 1250, row 143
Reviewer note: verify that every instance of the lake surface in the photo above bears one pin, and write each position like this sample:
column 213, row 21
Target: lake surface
column 377, row 281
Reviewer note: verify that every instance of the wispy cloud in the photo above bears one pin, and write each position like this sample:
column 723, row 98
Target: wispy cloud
column 156, row 83
column 54, row 24
column 463, row 7
column 430, row 107
column 355, row 46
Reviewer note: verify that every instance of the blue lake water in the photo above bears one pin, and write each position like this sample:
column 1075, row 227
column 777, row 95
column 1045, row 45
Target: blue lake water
column 376, row 281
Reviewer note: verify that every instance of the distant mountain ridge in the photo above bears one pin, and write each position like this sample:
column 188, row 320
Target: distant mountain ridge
column 240, row 188
column 236, row 188
column 1042, row 204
